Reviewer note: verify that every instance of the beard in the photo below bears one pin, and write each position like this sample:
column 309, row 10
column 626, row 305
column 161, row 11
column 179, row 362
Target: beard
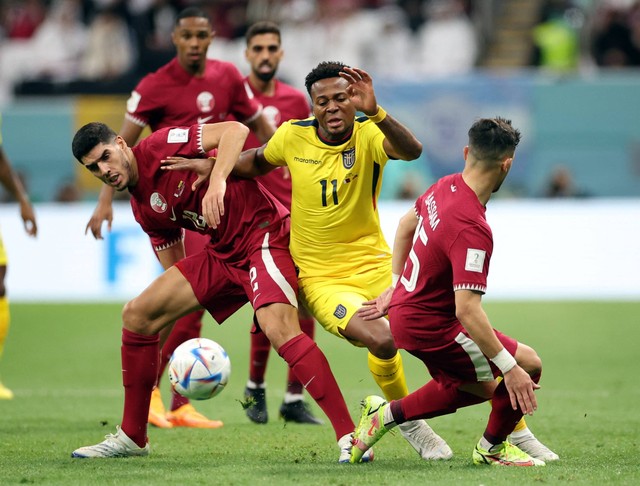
column 266, row 77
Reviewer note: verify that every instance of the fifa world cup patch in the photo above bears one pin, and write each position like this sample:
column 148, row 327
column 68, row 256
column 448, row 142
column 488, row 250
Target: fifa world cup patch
column 340, row 312
column 178, row 135
column 475, row 260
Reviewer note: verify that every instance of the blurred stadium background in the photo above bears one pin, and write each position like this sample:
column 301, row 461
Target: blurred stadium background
column 565, row 71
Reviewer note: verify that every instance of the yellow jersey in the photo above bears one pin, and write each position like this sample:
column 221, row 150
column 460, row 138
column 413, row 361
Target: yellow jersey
column 335, row 225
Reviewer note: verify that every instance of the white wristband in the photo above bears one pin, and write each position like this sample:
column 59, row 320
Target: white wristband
column 394, row 279
column 504, row 361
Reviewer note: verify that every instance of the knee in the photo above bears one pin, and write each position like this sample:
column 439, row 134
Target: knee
column 134, row 319
column 381, row 344
column 528, row 359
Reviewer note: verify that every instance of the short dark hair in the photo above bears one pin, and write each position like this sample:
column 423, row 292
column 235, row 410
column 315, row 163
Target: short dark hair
column 262, row 27
column 89, row 136
column 493, row 139
column 190, row 12
column 324, row 70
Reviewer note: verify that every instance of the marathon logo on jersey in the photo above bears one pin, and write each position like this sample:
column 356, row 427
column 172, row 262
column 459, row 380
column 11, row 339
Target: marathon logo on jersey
column 349, row 158
column 179, row 189
column 158, row 203
column 340, row 312
column 178, row 135
column 475, row 260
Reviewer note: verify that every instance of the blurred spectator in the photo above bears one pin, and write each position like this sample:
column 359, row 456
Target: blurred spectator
column 446, row 44
column 555, row 39
column 110, row 52
column 562, row 185
column 20, row 19
column 616, row 36
column 53, row 53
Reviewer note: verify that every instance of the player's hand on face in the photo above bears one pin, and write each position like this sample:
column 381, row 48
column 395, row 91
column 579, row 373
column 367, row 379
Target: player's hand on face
column 378, row 307
column 521, row 390
column 202, row 167
column 360, row 90
column 103, row 212
column 213, row 202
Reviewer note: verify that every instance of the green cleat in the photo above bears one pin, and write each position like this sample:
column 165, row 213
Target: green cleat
column 371, row 427
column 506, row 454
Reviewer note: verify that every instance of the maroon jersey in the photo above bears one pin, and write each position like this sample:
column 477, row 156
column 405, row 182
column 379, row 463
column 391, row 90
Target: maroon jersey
column 451, row 250
column 287, row 103
column 164, row 204
column 173, row 97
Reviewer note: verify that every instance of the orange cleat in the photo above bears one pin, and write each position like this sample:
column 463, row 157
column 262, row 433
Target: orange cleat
column 187, row 416
column 157, row 412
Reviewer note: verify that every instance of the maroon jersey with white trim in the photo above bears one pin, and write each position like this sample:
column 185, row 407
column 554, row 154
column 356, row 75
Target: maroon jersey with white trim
column 287, row 103
column 171, row 96
column 164, row 204
column 451, row 250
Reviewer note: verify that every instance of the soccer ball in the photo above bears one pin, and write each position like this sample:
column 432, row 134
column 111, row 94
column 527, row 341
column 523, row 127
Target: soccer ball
column 199, row 369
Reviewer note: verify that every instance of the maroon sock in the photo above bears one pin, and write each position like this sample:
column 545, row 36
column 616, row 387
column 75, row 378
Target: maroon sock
column 258, row 357
column 312, row 368
column 185, row 328
column 140, row 355
column 294, row 385
column 431, row 400
column 503, row 417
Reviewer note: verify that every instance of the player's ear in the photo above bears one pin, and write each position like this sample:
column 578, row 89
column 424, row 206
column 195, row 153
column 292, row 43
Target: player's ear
column 506, row 164
column 465, row 152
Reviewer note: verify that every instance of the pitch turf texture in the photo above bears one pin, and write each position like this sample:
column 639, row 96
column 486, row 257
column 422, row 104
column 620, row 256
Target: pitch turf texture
column 63, row 363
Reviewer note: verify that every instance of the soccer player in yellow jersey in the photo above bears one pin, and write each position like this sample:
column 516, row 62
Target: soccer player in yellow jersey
column 11, row 182
column 336, row 162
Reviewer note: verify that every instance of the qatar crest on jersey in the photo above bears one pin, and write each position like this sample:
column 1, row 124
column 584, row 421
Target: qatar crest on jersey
column 205, row 102
column 349, row 158
column 158, row 203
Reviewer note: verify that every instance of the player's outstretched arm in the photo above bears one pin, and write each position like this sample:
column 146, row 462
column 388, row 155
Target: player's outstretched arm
column 400, row 142
column 10, row 180
column 102, row 212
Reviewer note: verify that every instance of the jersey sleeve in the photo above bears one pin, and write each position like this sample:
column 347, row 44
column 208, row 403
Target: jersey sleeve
column 377, row 142
column 244, row 106
column 469, row 255
column 274, row 150
column 142, row 104
column 160, row 239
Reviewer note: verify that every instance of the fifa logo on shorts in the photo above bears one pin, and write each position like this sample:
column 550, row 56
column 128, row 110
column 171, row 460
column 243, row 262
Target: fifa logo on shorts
column 349, row 158
column 340, row 311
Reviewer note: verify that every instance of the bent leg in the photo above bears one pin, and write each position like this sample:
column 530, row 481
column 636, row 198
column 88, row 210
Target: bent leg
column 280, row 323
column 167, row 298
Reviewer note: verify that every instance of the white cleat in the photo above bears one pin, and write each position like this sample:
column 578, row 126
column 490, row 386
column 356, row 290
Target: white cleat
column 425, row 441
column 113, row 445
column 527, row 442
column 345, row 444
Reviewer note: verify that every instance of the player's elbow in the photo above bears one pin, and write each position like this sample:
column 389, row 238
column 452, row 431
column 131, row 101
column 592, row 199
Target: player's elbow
column 413, row 151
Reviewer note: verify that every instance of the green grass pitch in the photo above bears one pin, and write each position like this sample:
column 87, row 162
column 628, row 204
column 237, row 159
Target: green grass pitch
column 63, row 363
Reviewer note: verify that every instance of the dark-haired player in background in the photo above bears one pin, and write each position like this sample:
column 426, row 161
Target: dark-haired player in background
column 189, row 89
column 280, row 103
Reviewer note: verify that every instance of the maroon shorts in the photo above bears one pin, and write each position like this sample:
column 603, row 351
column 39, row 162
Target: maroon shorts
column 266, row 277
column 459, row 360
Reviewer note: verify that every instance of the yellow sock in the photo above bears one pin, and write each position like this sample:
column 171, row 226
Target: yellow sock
column 389, row 375
column 520, row 426
column 4, row 321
